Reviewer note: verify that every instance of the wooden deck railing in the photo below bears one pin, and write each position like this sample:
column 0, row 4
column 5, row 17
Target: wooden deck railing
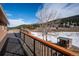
column 36, row 46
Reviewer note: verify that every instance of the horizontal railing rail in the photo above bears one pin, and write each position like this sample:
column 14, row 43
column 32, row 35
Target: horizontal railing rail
column 41, row 47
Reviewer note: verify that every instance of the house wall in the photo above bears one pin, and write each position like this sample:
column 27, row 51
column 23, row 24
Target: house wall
column 3, row 36
column 3, row 27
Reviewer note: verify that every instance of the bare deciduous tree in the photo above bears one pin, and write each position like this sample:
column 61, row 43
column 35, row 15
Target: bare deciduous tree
column 45, row 15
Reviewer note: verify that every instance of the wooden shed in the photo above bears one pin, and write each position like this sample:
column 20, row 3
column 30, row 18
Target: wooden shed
column 64, row 42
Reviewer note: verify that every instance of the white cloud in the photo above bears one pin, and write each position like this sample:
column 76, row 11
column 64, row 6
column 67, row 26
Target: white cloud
column 16, row 22
column 9, row 14
column 58, row 10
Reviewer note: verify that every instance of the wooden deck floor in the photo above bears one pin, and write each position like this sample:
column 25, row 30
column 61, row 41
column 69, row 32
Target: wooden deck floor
column 12, row 46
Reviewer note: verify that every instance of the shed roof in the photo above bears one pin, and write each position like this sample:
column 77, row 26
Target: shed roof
column 64, row 38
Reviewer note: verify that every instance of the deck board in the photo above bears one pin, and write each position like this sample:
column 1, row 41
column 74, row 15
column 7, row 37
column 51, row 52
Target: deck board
column 13, row 46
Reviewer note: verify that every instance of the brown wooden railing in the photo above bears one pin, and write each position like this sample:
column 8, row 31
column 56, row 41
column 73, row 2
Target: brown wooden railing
column 36, row 46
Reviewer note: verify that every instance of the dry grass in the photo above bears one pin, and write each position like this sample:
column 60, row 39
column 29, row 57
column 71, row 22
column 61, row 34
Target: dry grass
column 75, row 49
column 13, row 30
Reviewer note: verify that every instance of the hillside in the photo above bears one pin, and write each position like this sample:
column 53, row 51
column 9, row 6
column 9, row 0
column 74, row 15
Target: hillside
column 64, row 22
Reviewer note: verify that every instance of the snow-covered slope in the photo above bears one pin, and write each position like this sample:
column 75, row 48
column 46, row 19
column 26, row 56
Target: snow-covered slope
column 53, row 36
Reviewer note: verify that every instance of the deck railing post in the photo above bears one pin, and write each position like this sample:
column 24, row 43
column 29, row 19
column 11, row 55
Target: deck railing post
column 42, row 50
column 51, row 52
column 24, row 38
column 34, row 47
column 20, row 33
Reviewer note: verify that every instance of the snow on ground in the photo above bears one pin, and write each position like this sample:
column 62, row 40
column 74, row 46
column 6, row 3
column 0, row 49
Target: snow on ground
column 53, row 36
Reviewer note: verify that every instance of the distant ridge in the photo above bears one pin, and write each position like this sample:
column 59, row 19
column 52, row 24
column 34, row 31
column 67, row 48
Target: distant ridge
column 71, row 19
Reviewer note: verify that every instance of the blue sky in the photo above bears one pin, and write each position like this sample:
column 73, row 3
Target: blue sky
column 21, row 13
column 27, row 13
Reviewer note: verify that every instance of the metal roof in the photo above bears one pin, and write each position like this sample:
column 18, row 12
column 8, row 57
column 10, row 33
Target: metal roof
column 63, row 38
